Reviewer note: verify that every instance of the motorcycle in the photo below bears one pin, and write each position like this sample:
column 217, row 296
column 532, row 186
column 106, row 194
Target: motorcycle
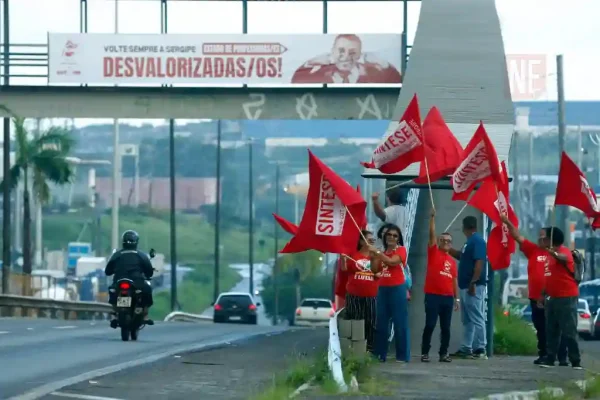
column 130, row 310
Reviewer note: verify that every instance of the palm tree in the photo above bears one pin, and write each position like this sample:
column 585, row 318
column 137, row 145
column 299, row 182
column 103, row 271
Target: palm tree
column 43, row 160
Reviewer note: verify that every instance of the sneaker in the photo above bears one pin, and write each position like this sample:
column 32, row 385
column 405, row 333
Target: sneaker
column 480, row 354
column 463, row 354
column 563, row 364
column 114, row 323
column 148, row 322
column 425, row 358
column 577, row 366
column 445, row 358
column 538, row 360
column 546, row 363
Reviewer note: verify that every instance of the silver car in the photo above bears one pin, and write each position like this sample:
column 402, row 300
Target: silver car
column 585, row 322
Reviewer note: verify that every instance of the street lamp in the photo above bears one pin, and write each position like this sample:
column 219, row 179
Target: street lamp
column 250, row 216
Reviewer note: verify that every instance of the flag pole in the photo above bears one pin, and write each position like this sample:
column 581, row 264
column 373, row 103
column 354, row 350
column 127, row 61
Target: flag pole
column 456, row 217
column 356, row 224
column 552, row 223
column 399, row 184
column 429, row 182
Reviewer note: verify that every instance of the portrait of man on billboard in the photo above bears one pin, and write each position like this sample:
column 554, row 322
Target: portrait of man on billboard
column 347, row 62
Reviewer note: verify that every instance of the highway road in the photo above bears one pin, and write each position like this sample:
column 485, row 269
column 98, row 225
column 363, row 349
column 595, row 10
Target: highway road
column 48, row 354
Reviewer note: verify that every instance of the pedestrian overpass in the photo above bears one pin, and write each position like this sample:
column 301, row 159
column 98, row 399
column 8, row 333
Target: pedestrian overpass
column 457, row 63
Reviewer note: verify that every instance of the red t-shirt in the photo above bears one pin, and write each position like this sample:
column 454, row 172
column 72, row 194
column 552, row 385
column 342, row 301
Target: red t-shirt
column 536, row 265
column 341, row 279
column 394, row 276
column 559, row 282
column 361, row 280
column 441, row 272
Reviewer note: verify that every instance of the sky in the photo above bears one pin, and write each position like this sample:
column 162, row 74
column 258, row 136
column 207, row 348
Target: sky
column 536, row 28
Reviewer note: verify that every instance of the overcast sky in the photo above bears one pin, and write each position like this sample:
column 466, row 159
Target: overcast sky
column 547, row 27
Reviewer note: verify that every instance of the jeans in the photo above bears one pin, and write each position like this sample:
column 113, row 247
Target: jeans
column 437, row 306
column 392, row 304
column 538, row 317
column 473, row 321
column 561, row 323
column 364, row 308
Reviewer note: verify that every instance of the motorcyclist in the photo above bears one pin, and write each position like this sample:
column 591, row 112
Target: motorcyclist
column 131, row 264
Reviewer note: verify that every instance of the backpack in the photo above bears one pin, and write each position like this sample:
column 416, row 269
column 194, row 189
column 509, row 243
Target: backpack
column 579, row 269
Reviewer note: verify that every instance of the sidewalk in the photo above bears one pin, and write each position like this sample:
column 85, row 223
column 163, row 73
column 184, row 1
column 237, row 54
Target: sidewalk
column 465, row 379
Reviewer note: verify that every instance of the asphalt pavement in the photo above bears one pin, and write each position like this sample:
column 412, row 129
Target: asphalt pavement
column 233, row 372
column 44, row 353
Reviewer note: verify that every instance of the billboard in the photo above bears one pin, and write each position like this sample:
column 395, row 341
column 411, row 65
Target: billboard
column 224, row 59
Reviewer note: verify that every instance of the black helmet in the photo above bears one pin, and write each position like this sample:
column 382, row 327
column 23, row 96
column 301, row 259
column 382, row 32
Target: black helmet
column 130, row 240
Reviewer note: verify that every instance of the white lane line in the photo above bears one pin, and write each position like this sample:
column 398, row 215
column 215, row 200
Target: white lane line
column 82, row 396
column 65, row 327
column 29, row 329
column 4, row 332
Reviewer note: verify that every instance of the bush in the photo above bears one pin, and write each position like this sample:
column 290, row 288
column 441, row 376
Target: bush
column 513, row 336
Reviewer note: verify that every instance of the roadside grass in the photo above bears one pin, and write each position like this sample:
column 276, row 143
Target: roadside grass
column 316, row 372
column 572, row 391
column 513, row 336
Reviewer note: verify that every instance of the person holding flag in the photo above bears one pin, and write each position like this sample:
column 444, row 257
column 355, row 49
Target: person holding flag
column 441, row 291
column 537, row 258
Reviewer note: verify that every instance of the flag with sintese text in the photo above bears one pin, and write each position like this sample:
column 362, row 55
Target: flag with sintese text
column 331, row 205
column 493, row 199
column 442, row 150
column 479, row 162
column 574, row 190
column 362, row 219
column 287, row 226
column 403, row 143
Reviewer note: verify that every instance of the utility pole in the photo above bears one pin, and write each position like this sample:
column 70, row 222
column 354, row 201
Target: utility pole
column 218, row 216
column 173, row 233
column 276, row 250
column 116, row 178
column 6, row 239
column 250, row 217
column 562, row 211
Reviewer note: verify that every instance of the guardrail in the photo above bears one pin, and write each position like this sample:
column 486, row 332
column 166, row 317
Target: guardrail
column 181, row 316
column 23, row 306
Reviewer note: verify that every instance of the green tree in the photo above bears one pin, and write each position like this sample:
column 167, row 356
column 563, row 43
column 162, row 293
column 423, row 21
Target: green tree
column 39, row 161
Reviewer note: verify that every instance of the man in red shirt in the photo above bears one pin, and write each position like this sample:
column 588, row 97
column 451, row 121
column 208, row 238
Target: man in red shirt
column 562, row 293
column 441, row 291
column 537, row 257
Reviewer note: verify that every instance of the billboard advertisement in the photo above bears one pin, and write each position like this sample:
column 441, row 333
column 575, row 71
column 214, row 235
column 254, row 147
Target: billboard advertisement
column 224, row 59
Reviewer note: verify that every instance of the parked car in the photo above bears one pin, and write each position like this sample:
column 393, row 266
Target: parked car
column 314, row 312
column 233, row 306
column 585, row 322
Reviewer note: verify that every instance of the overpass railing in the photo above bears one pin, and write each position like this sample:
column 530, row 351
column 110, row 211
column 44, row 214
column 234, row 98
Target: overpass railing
column 24, row 60
column 24, row 306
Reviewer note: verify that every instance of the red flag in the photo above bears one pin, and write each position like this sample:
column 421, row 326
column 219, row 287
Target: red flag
column 479, row 162
column 499, row 252
column 331, row 204
column 286, row 225
column 573, row 189
column 403, row 143
column 492, row 199
column 362, row 220
column 442, row 150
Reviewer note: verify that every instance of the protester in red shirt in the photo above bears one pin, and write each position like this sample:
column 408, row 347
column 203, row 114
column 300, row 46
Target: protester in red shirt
column 392, row 302
column 361, row 289
column 537, row 257
column 441, row 291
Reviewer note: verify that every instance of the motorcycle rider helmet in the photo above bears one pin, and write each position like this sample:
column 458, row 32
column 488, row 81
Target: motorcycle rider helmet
column 130, row 240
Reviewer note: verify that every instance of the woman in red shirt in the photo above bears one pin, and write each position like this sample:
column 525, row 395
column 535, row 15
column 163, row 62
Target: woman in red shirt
column 361, row 289
column 392, row 302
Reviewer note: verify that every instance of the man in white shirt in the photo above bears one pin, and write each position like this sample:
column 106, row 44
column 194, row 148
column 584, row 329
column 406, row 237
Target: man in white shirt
column 394, row 213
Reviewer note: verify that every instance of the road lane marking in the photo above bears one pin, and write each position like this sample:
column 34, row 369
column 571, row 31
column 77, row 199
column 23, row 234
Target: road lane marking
column 82, row 396
column 65, row 327
column 4, row 332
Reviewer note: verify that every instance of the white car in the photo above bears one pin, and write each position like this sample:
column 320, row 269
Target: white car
column 585, row 322
column 314, row 312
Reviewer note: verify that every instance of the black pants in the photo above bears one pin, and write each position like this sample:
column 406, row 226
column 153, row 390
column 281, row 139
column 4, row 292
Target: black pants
column 363, row 308
column 442, row 307
column 561, row 324
column 538, row 317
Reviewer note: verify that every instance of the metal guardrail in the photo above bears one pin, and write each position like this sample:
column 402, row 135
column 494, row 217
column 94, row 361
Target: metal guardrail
column 180, row 316
column 12, row 306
